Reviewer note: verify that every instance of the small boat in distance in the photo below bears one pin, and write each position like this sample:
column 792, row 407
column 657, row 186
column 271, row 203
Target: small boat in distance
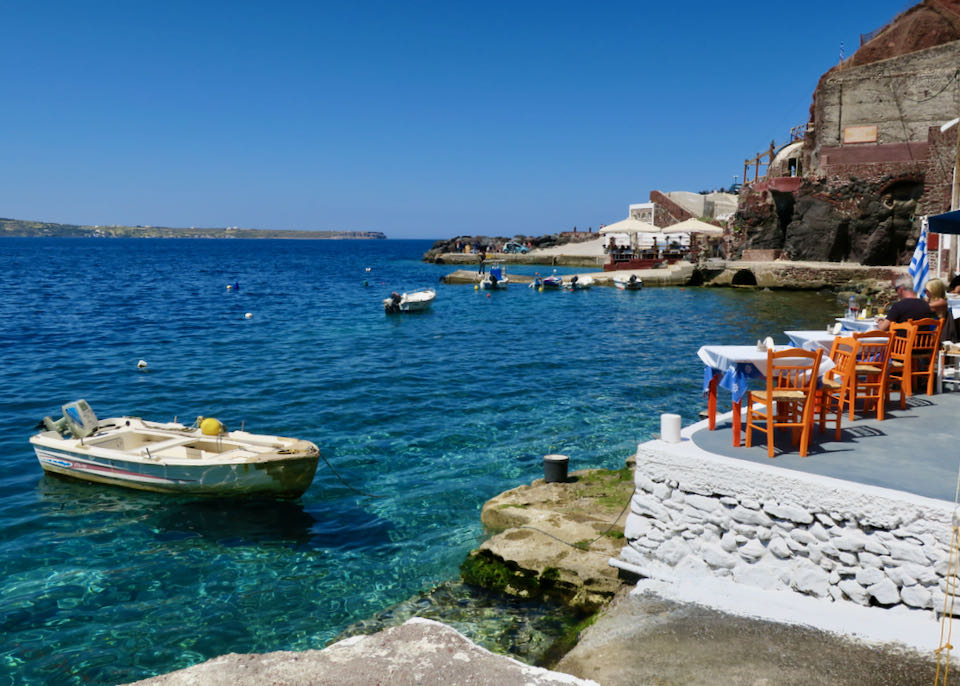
column 631, row 283
column 168, row 457
column 554, row 281
column 496, row 278
column 416, row 301
column 577, row 283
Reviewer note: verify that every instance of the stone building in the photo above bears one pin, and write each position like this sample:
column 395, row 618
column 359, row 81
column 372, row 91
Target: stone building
column 874, row 156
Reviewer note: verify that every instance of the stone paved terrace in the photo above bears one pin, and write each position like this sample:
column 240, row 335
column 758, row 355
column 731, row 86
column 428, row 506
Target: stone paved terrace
column 916, row 450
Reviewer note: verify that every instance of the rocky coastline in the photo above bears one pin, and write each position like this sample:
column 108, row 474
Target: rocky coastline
column 553, row 542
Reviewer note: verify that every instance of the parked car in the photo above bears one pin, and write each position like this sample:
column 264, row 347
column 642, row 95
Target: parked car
column 515, row 247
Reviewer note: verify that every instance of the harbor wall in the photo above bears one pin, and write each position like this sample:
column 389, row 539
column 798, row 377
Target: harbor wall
column 701, row 514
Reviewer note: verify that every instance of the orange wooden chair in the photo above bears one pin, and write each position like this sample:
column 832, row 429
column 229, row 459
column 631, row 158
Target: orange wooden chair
column 836, row 386
column 789, row 399
column 871, row 376
column 900, row 367
column 923, row 355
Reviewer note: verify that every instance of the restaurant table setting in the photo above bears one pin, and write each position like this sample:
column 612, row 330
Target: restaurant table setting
column 731, row 367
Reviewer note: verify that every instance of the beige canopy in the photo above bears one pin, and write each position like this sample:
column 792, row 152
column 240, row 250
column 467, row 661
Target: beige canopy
column 694, row 226
column 630, row 225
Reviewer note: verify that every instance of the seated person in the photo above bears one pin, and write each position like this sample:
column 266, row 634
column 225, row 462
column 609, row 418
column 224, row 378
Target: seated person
column 954, row 286
column 908, row 307
column 937, row 298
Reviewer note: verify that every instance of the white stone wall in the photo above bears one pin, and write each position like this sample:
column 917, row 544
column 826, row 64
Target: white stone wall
column 701, row 514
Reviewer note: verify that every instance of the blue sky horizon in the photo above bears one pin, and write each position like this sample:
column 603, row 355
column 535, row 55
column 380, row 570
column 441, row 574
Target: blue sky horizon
column 421, row 120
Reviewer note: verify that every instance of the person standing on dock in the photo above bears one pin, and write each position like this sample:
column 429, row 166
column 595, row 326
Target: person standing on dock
column 483, row 260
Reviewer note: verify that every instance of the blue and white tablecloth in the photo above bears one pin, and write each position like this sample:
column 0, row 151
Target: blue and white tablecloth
column 738, row 364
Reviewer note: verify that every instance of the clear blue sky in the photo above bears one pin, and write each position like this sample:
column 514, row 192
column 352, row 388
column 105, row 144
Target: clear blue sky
column 419, row 119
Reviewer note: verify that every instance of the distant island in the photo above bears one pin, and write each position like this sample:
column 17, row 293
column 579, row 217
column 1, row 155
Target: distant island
column 23, row 228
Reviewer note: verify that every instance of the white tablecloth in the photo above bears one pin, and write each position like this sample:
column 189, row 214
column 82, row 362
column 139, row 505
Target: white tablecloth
column 811, row 340
column 954, row 302
column 857, row 324
column 739, row 363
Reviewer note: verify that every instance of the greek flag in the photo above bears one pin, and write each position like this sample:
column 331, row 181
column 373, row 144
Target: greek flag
column 919, row 267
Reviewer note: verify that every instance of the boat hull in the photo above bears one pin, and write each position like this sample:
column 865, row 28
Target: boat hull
column 284, row 469
column 410, row 302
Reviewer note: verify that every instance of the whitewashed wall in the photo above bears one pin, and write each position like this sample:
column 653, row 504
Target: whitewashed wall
column 700, row 514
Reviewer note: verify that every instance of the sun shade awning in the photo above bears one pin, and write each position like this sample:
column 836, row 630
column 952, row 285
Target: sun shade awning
column 630, row 225
column 948, row 222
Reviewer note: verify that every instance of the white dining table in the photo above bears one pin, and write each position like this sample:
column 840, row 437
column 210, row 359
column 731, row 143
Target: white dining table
column 811, row 339
column 732, row 366
column 850, row 324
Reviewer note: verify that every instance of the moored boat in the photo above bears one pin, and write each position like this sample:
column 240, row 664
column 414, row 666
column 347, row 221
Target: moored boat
column 416, row 301
column 631, row 283
column 554, row 281
column 578, row 283
column 496, row 278
column 168, row 457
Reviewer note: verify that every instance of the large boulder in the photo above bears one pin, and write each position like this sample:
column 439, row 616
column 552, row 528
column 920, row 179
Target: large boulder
column 420, row 651
column 555, row 539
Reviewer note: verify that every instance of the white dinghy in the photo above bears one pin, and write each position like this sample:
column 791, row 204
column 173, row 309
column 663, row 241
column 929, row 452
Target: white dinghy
column 169, row 457
column 417, row 301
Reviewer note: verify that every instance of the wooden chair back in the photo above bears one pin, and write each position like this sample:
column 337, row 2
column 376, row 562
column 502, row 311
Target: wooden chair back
column 900, row 365
column 871, row 373
column 874, row 347
column 926, row 346
column 789, row 398
column 844, row 353
column 792, row 369
column 901, row 341
column 926, row 341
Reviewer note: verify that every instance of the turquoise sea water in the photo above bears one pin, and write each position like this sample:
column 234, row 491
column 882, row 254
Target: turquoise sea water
column 435, row 413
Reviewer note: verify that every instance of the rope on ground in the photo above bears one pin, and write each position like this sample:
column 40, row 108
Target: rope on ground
column 949, row 596
column 344, row 482
column 585, row 546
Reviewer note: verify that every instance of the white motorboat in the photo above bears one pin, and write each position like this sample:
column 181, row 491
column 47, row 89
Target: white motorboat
column 578, row 283
column 417, row 301
column 496, row 278
column 625, row 283
column 168, row 457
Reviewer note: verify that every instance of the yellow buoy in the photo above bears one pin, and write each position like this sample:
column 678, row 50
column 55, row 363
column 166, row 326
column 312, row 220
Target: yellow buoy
column 211, row 427
column 476, row 287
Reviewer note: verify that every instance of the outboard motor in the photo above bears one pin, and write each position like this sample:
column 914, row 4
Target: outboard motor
column 77, row 418
column 392, row 304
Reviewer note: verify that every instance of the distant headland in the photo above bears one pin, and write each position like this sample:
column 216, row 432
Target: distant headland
column 24, row 228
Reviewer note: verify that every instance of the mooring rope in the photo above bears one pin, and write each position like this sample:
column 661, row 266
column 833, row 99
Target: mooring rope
column 344, row 482
column 585, row 546
column 949, row 595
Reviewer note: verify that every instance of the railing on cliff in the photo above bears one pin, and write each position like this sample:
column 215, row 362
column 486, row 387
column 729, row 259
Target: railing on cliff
column 796, row 134
column 756, row 162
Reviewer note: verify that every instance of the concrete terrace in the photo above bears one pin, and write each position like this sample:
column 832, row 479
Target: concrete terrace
column 916, row 450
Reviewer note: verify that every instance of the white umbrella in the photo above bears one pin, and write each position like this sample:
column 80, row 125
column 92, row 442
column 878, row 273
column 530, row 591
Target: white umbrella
column 694, row 226
column 633, row 228
column 630, row 225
